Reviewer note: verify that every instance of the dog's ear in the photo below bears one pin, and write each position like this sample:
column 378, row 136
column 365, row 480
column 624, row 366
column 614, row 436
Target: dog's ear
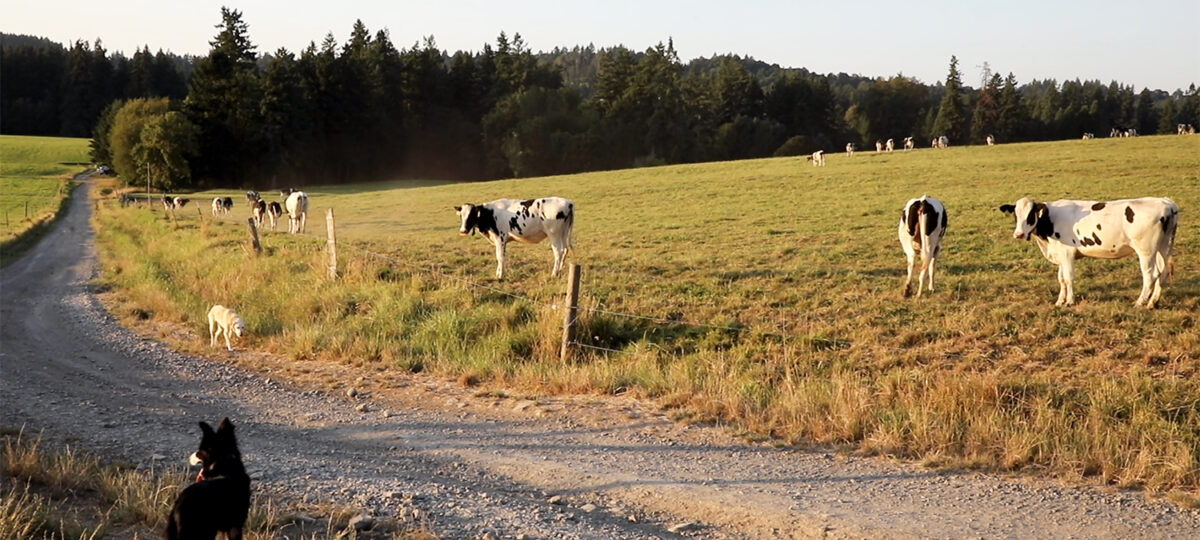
column 206, row 429
column 225, row 426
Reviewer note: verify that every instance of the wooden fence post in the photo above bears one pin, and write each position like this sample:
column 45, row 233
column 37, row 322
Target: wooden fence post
column 331, row 244
column 253, row 235
column 572, row 308
column 26, row 209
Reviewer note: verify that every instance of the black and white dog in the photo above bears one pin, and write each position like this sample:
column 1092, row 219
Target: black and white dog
column 219, row 500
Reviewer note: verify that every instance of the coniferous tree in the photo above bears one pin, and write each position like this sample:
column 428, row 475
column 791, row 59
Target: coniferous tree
column 951, row 118
column 1147, row 117
column 1010, row 120
column 223, row 101
column 987, row 111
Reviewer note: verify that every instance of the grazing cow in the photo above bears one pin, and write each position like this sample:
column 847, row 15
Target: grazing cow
column 991, row 141
column 909, row 143
column 171, row 203
column 252, row 197
column 943, row 142
column 1068, row 230
column 878, row 146
column 891, row 145
column 259, row 211
column 297, row 208
column 527, row 221
column 1114, row 133
column 222, row 205
column 922, row 225
column 1088, row 135
column 850, row 148
column 818, row 158
column 274, row 210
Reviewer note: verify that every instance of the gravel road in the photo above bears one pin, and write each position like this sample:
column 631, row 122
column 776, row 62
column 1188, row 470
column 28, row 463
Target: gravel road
column 463, row 463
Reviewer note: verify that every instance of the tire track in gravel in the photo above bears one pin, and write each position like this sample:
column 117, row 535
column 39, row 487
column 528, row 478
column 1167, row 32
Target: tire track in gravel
column 467, row 464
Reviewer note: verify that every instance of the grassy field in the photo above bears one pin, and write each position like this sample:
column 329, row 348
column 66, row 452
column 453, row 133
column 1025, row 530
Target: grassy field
column 763, row 293
column 35, row 174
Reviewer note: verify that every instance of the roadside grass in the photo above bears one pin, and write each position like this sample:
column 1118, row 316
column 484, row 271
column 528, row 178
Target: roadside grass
column 35, row 186
column 763, row 293
column 62, row 493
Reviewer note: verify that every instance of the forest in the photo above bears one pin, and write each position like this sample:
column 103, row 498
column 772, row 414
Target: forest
column 366, row 110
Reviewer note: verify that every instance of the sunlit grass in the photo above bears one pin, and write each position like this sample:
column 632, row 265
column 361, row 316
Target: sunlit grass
column 35, row 175
column 782, row 285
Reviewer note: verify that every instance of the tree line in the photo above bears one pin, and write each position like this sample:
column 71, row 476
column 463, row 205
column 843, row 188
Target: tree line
column 367, row 110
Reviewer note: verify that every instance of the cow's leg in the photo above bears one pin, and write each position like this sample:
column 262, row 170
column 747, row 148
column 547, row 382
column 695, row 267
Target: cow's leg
column 908, row 280
column 500, row 244
column 931, row 261
column 1161, row 261
column 560, row 257
column 1150, row 275
column 1066, row 294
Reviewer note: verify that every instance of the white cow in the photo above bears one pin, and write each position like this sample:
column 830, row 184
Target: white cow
column 850, row 148
column 878, row 146
column 922, row 225
column 991, row 141
column 943, row 142
column 818, row 158
column 297, row 209
column 1068, row 230
column 527, row 221
column 909, row 143
column 891, row 145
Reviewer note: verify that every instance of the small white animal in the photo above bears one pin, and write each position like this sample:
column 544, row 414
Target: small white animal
column 222, row 320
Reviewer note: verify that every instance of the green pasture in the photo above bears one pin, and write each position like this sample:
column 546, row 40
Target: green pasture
column 35, row 174
column 763, row 293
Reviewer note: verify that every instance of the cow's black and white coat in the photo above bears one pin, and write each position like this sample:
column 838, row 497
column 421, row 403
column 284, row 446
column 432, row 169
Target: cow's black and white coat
column 1067, row 230
column 528, row 221
column 170, row 203
column 923, row 223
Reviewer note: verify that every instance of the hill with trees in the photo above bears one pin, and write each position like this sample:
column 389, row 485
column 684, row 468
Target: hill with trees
column 366, row 109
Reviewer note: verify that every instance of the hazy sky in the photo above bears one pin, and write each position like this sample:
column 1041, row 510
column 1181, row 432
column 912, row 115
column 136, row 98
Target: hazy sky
column 1146, row 44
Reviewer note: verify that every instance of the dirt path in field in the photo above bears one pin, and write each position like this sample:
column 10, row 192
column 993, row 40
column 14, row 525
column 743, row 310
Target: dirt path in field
column 463, row 463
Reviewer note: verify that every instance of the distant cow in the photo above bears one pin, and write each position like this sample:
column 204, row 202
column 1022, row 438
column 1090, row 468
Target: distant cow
column 222, row 205
column 991, row 141
column 818, row 158
column 1089, row 135
column 878, row 146
column 922, row 225
column 909, row 143
column 850, row 148
column 297, row 209
column 252, row 197
column 891, row 145
column 943, row 142
column 1068, row 230
column 259, row 212
column 527, row 221
column 171, row 203
column 274, row 210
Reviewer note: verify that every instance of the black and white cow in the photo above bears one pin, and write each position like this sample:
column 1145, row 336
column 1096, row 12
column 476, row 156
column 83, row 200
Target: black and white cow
column 274, row 210
column 1068, row 230
column 170, row 203
column 259, row 212
column 922, row 225
column 527, row 221
column 222, row 205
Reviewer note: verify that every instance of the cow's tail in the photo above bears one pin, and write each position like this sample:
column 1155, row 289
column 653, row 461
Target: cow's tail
column 1166, row 264
column 570, row 230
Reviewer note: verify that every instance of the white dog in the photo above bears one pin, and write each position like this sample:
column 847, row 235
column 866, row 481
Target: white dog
column 222, row 320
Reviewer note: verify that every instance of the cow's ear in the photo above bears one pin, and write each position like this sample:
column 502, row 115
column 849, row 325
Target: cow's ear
column 458, row 209
column 1008, row 208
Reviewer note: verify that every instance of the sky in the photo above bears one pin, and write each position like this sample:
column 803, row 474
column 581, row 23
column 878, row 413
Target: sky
column 1151, row 44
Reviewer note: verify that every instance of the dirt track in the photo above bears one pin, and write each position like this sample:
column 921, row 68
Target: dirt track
column 466, row 465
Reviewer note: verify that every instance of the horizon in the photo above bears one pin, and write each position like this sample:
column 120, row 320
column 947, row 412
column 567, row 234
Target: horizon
column 1149, row 48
